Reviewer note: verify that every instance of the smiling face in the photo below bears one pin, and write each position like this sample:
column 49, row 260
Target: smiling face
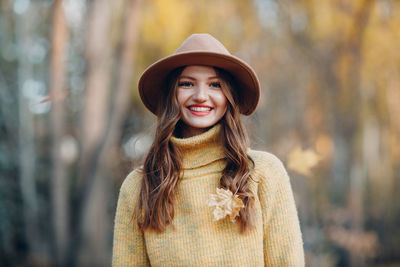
column 201, row 100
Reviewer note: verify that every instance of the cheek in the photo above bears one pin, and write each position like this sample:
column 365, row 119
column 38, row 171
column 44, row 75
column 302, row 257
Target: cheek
column 220, row 100
column 181, row 97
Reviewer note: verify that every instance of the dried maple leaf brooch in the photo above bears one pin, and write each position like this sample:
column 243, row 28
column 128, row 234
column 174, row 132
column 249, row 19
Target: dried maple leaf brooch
column 225, row 203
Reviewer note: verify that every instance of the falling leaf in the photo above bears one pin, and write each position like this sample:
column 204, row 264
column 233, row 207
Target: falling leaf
column 55, row 97
column 225, row 203
column 302, row 161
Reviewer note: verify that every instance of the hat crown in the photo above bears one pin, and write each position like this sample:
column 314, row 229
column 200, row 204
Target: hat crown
column 202, row 42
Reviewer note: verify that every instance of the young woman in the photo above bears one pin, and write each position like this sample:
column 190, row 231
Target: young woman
column 202, row 197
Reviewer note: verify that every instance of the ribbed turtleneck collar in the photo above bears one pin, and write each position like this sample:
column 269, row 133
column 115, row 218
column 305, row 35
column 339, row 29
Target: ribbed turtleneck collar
column 201, row 149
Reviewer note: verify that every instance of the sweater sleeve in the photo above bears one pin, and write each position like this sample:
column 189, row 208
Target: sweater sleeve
column 128, row 244
column 283, row 245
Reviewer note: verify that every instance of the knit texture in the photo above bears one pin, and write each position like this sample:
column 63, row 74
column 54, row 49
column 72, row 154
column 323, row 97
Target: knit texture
column 195, row 239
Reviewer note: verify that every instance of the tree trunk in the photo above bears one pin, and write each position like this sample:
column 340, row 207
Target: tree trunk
column 59, row 181
column 26, row 147
column 90, row 221
column 96, row 202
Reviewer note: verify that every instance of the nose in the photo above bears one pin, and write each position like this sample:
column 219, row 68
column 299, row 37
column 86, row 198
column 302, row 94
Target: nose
column 201, row 93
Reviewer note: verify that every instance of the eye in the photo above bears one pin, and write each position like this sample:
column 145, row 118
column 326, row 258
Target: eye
column 216, row 84
column 185, row 84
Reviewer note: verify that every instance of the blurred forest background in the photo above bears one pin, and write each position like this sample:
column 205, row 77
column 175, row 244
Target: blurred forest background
column 72, row 125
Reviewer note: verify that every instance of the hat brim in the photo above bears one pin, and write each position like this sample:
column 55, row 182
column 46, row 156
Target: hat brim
column 152, row 80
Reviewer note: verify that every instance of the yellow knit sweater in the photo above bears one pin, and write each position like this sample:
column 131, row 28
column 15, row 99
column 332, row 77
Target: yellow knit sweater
column 197, row 240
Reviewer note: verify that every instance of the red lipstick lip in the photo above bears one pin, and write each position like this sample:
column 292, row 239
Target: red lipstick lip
column 199, row 113
column 200, row 106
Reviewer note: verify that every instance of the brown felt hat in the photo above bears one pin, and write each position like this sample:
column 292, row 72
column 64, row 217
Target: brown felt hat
column 201, row 49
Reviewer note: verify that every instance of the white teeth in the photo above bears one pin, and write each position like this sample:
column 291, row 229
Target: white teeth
column 199, row 109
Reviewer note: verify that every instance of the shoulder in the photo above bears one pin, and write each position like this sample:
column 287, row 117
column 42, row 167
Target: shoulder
column 263, row 157
column 268, row 168
column 130, row 187
column 265, row 161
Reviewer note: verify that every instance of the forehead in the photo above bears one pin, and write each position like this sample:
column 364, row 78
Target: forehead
column 199, row 70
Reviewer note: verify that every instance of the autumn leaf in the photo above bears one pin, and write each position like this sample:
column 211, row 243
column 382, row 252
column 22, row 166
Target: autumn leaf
column 302, row 161
column 225, row 203
column 55, row 97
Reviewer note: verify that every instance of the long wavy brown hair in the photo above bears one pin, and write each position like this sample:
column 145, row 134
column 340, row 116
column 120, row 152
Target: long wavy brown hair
column 163, row 164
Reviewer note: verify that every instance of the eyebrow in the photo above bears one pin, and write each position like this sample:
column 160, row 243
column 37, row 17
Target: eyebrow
column 191, row 78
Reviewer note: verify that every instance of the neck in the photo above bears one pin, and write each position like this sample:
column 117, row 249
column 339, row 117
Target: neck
column 200, row 150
